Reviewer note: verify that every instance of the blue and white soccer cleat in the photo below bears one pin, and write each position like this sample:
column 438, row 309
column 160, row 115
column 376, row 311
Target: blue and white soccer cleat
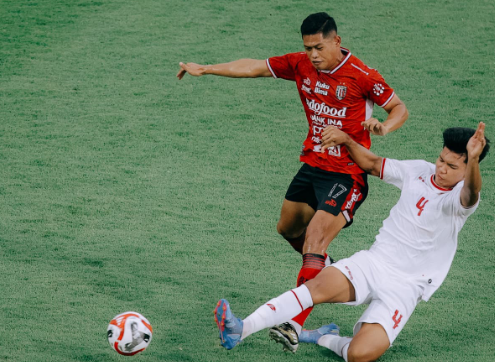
column 229, row 326
column 314, row 335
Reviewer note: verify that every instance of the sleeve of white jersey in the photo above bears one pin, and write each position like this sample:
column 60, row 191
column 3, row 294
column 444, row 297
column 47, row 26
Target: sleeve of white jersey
column 455, row 200
column 394, row 172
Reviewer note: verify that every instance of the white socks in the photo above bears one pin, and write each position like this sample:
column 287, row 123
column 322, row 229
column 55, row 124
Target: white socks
column 278, row 310
column 337, row 344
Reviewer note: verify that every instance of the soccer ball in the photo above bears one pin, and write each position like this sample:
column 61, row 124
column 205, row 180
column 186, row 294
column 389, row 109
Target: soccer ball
column 129, row 333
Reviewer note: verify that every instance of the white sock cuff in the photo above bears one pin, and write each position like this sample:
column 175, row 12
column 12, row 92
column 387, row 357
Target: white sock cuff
column 337, row 344
column 303, row 296
column 344, row 352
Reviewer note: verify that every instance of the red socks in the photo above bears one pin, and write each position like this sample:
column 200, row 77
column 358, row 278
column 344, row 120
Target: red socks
column 312, row 265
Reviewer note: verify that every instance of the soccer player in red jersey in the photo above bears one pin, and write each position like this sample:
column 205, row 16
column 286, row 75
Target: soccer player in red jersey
column 337, row 89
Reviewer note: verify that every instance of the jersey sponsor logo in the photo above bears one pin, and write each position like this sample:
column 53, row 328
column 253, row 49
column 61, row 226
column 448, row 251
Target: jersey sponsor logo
column 323, row 109
column 340, row 92
column 421, row 205
column 378, row 89
column 321, row 88
column 316, row 139
column 322, row 85
column 334, row 151
column 307, row 81
column 305, row 89
column 395, row 319
column 354, row 197
column 322, row 121
column 320, row 91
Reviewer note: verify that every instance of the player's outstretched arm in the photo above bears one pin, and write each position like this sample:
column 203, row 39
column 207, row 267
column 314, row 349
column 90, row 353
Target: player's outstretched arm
column 472, row 178
column 367, row 160
column 242, row 68
column 397, row 116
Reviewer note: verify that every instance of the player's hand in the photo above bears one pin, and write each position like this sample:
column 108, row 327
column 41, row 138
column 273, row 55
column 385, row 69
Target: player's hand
column 477, row 142
column 375, row 127
column 191, row 68
column 332, row 136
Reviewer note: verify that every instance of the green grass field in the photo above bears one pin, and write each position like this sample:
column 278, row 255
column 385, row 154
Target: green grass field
column 123, row 188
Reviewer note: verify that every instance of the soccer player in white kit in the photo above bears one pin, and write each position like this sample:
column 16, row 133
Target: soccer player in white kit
column 407, row 263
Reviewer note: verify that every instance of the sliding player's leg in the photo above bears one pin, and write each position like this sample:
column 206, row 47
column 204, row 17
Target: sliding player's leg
column 330, row 286
column 369, row 343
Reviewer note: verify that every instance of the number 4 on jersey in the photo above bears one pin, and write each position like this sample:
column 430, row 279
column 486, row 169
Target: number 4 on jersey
column 421, row 205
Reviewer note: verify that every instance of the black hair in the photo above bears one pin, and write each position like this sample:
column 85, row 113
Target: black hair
column 457, row 138
column 318, row 23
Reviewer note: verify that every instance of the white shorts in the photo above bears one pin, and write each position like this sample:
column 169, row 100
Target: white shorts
column 392, row 298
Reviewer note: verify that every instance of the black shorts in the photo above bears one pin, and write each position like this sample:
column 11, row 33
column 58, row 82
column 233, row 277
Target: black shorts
column 330, row 191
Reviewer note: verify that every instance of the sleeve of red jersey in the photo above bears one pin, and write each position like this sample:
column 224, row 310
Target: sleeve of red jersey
column 281, row 67
column 377, row 89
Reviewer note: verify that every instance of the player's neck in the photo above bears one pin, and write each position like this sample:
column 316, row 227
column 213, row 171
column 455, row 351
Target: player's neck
column 442, row 188
column 338, row 60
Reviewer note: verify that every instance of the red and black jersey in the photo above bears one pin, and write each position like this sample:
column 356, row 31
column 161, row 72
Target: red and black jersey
column 343, row 97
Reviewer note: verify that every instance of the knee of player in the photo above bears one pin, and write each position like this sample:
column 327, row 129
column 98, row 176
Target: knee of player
column 287, row 232
column 362, row 353
column 280, row 228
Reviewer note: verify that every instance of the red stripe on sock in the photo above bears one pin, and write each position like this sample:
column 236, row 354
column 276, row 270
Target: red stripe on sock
column 312, row 265
column 313, row 261
column 295, row 295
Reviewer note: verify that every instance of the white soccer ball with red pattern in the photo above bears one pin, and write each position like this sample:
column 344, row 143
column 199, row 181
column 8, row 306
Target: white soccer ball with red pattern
column 129, row 333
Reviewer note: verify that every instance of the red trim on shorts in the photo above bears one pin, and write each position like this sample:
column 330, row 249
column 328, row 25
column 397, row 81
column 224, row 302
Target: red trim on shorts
column 358, row 183
column 295, row 295
column 381, row 169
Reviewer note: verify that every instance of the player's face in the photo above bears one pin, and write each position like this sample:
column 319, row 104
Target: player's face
column 450, row 168
column 324, row 53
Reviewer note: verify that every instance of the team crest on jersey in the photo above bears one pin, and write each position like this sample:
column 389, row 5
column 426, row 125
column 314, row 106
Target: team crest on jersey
column 340, row 92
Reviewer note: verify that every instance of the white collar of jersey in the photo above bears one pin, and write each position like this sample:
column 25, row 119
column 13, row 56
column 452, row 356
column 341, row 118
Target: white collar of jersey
column 432, row 179
column 344, row 51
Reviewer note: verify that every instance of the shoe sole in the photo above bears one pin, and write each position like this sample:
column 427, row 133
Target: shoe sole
column 280, row 338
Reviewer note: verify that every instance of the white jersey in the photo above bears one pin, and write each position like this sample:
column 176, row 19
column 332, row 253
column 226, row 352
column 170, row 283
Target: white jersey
column 419, row 238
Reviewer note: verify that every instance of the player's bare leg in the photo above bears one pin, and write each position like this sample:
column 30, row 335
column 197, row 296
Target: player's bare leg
column 322, row 229
column 294, row 219
column 368, row 344
column 331, row 286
